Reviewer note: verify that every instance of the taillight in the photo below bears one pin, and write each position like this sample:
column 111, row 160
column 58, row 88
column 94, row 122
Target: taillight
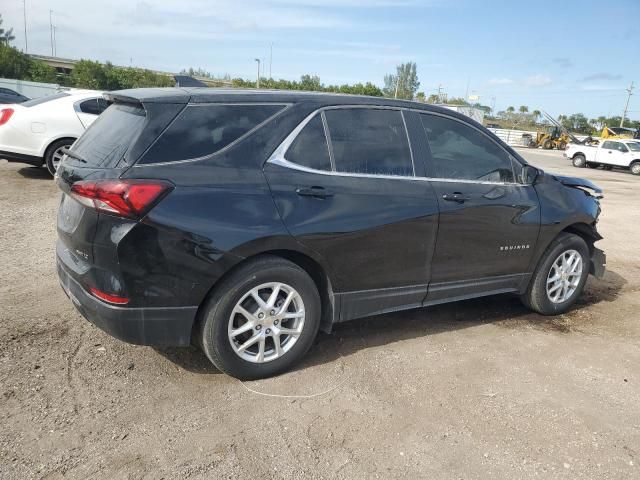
column 108, row 297
column 127, row 198
column 5, row 115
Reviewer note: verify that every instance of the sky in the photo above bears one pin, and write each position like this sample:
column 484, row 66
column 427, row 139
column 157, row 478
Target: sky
column 559, row 56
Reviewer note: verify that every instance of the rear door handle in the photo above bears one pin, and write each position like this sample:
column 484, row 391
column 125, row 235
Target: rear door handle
column 455, row 197
column 317, row 192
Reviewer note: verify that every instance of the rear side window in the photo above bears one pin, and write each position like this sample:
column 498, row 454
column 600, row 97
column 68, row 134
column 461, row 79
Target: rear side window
column 369, row 141
column 460, row 152
column 202, row 130
column 90, row 106
column 107, row 140
column 310, row 149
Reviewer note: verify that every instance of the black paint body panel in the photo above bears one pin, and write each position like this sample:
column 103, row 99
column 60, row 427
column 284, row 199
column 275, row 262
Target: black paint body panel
column 382, row 244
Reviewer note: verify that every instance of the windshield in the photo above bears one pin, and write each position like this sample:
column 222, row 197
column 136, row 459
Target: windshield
column 634, row 146
column 107, row 141
column 46, row 98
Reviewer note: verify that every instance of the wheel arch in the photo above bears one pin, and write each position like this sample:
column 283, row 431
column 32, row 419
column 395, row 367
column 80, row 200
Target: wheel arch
column 314, row 269
column 54, row 140
column 587, row 232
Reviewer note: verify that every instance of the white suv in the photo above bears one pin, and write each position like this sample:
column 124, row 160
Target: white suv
column 36, row 131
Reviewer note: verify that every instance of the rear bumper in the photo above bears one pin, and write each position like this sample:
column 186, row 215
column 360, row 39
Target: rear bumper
column 142, row 326
column 598, row 263
column 21, row 158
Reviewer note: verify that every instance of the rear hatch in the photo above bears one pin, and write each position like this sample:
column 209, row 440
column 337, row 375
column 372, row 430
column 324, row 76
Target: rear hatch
column 94, row 162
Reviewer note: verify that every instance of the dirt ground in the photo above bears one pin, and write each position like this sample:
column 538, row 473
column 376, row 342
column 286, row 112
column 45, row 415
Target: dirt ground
column 474, row 390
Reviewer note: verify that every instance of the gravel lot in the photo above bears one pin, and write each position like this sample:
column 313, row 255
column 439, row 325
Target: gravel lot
column 479, row 389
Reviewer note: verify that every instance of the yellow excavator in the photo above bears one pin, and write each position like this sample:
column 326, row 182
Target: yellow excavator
column 619, row 132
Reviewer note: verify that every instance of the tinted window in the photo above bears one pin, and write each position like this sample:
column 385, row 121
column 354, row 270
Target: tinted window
column 366, row 140
column 309, row 149
column 6, row 91
column 609, row 145
column 205, row 129
column 90, row 106
column 106, row 141
column 47, row 98
column 461, row 152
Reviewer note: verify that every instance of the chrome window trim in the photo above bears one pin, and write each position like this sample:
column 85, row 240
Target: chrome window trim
column 209, row 155
column 278, row 156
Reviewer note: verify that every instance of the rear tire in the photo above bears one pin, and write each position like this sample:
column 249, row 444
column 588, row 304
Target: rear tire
column 562, row 145
column 560, row 276
column 239, row 333
column 53, row 155
column 547, row 145
column 579, row 161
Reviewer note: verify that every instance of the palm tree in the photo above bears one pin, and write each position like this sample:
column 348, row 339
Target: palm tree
column 5, row 36
column 536, row 115
column 523, row 109
column 511, row 109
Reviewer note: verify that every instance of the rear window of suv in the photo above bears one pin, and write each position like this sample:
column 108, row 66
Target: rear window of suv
column 107, row 140
column 201, row 130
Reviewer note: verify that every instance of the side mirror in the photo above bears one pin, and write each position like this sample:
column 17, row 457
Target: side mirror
column 529, row 174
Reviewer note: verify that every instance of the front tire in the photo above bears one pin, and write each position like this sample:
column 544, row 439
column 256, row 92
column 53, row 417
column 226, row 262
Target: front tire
column 53, row 155
column 261, row 320
column 635, row 168
column 560, row 276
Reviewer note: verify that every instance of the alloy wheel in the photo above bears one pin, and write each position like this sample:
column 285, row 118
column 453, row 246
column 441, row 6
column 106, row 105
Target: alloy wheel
column 56, row 158
column 266, row 323
column 564, row 276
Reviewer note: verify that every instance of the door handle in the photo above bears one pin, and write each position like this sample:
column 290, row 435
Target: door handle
column 317, row 192
column 455, row 197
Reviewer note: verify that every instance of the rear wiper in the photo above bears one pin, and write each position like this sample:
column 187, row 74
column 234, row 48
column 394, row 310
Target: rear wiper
column 72, row 154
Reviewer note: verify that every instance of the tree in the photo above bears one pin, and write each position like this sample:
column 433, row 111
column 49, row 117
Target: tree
column 15, row 64
column 510, row 109
column 536, row 115
column 6, row 36
column 404, row 82
column 523, row 109
column 420, row 97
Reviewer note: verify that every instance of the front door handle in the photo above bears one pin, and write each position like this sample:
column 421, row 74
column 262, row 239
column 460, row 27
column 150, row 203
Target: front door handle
column 455, row 197
column 317, row 192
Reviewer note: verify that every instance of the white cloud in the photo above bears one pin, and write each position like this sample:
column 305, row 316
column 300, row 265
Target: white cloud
column 538, row 80
column 501, row 81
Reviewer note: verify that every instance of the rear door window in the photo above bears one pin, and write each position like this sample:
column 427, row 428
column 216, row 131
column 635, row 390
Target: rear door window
column 202, row 130
column 460, row 152
column 106, row 142
column 310, row 148
column 369, row 141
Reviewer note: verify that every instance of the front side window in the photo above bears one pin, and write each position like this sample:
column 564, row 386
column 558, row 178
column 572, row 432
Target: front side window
column 369, row 141
column 201, row 130
column 634, row 146
column 310, row 148
column 461, row 152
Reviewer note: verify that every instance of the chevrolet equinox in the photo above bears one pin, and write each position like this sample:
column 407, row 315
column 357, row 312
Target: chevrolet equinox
column 244, row 221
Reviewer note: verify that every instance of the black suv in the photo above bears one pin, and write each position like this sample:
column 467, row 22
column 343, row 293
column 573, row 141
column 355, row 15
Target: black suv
column 244, row 220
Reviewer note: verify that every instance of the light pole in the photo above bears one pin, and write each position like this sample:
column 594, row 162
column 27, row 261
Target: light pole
column 626, row 107
column 51, row 29
column 258, row 74
column 24, row 11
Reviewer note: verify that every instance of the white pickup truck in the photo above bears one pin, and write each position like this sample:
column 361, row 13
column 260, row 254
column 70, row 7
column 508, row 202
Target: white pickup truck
column 623, row 153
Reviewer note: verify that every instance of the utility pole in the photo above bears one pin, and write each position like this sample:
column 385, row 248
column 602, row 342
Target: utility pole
column 270, row 59
column 258, row 74
column 24, row 11
column 51, row 30
column 55, row 47
column 626, row 107
column 440, row 95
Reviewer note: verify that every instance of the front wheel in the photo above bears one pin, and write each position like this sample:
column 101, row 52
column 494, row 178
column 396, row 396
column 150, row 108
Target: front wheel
column 261, row 320
column 635, row 168
column 560, row 277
